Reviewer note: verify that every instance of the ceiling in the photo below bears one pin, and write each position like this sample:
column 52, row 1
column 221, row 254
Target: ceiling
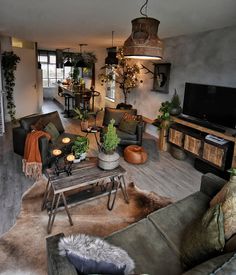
column 57, row 24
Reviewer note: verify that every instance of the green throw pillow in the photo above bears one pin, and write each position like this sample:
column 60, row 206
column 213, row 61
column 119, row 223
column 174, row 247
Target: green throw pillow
column 203, row 238
column 129, row 123
column 52, row 130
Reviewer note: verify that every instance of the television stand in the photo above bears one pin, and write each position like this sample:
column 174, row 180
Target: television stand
column 203, row 123
column 199, row 132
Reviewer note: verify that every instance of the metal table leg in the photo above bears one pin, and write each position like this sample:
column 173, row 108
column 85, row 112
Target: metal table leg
column 110, row 204
column 123, row 188
column 67, row 210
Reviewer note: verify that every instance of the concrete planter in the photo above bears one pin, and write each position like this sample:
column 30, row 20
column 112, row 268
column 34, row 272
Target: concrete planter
column 108, row 161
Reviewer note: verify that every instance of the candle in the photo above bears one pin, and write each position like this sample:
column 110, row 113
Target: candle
column 65, row 140
column 70, row 157
column 56, row 152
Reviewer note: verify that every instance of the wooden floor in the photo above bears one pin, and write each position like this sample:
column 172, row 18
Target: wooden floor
column 161, row 173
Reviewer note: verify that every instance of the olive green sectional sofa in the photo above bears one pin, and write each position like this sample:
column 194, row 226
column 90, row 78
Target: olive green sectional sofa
column 154, row 243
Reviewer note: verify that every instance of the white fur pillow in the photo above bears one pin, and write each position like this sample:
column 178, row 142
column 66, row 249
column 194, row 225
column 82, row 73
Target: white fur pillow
column 94, row 255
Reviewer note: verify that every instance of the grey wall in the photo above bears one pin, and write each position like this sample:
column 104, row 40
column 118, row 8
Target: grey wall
column 207, row 58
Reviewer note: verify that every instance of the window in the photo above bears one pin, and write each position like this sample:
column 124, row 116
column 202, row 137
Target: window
column 111, row 84
column 51, row 74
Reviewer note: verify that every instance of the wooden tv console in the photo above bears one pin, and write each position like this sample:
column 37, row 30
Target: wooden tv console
column 211, row 152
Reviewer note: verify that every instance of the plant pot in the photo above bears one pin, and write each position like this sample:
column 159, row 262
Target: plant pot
column 175, row 111
column 84, row 125
column 108, row 161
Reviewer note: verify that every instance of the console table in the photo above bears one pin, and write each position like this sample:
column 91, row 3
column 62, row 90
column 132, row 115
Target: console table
column 86, row 182
column 227, row 135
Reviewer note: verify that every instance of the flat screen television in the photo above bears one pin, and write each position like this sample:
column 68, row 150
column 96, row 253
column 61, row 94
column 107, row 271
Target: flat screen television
column 213, row 104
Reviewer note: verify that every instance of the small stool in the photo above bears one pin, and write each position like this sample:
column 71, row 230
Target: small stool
column 135, row 154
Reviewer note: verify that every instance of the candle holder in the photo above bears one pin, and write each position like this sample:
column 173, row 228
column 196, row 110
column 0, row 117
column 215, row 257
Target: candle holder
column 64, row 166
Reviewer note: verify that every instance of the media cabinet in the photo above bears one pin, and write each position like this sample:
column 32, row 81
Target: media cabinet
column 191, row 138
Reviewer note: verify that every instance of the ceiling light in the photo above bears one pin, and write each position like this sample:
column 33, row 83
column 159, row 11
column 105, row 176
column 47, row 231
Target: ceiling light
column 144, row 43
column 81, row 62
column 68, row 62
column 111, row 58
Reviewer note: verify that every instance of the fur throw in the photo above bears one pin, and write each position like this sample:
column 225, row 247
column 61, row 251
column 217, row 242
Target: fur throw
column 96, row 249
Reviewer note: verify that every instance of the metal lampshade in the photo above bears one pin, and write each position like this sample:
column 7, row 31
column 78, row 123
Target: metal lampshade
column 81, row 64
column 144, row 43
column 68, row 63
column 111, row 58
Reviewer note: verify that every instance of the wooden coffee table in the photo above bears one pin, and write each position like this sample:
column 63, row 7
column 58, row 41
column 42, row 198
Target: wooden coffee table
column 86, row 182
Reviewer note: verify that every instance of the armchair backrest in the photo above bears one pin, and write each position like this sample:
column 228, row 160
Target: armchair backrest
column 116, row 114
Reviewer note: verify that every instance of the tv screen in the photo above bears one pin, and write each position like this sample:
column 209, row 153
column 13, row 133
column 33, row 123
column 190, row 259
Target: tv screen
column 214, row 104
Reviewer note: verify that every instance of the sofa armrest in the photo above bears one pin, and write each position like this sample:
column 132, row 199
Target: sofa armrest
column 57, row 264
column 211, row 184
column 44, row 150
column 19, row 136
column 139, row 132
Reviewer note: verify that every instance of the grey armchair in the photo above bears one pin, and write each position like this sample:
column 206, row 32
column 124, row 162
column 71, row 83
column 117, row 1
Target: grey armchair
column 125, row 138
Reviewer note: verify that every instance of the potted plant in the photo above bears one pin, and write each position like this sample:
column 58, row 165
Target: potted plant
column 108, row 159
column 164, row 117
column 9, row 65
column 83, row 116
column 80, row 147
column 175, row 108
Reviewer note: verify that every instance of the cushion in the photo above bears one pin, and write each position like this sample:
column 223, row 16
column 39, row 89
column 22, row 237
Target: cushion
column 116, row 114
column 92, row 255
column 129, row 123
column 142, row 240
column 204, row 238
column 227, row 196
column 39, row 124
column 52, row 130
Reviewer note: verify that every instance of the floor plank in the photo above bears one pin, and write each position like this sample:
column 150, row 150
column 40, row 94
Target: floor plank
column 161, row 173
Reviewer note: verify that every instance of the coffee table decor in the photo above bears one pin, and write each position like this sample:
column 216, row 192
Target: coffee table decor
column 108, row 159
column 80, row 148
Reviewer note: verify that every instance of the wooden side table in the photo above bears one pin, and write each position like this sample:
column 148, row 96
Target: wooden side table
column 85, row 174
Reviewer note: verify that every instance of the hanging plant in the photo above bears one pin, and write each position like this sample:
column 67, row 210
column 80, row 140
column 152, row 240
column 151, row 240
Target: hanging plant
column 9, row 64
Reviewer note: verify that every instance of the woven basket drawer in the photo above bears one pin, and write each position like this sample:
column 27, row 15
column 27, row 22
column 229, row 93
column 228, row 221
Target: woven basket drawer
column 213, row 154
column 192, row 144
column 176, row 137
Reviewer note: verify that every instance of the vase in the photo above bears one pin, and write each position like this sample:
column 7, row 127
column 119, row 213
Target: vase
column 84, row 125
column 175, row 111
column 108, row 161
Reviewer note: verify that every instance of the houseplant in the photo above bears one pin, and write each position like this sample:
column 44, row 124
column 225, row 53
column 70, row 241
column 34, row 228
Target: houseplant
column 9, row 65
column 108, row 159
column 175, row 108
column 164, row 117
column 80, row 147
column 126, row 75
column 83, row 116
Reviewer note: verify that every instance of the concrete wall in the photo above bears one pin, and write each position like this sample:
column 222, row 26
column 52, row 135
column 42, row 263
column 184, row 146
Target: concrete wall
column 207, row 58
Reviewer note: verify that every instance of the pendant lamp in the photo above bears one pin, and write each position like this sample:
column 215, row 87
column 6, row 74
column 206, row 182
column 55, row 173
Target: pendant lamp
column 68, row 62
column 81, row 63
column 144, row 43
column 111, row 58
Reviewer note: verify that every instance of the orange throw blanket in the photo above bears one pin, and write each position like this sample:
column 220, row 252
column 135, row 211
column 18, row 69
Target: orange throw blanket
column 32, row 162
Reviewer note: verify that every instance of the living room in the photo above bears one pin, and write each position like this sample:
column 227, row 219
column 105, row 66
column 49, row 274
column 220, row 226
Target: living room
column 199, row 42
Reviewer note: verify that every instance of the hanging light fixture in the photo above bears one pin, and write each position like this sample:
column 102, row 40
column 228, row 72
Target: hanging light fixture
column 144, row 43
column 111, row 58
column 68, row 62
column 81, row 63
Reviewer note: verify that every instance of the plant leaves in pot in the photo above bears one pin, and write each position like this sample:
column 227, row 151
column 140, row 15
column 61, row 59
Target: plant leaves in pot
column 175, row 108
column 80, row 148
column 108, row 159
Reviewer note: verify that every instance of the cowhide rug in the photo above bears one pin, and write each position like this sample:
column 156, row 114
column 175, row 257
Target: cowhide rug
column 23, row 247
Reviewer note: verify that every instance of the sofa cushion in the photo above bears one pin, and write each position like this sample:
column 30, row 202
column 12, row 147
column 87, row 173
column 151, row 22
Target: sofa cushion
column 223, row 264
column 129, row 123
column 51, row 129
column 148, row 248
column 204, row 238
column 92, row 255
column 173, row 219
column 116, row 114
column 125, row 136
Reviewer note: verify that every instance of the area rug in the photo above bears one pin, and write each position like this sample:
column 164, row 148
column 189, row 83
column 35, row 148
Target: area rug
column 23, row 247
